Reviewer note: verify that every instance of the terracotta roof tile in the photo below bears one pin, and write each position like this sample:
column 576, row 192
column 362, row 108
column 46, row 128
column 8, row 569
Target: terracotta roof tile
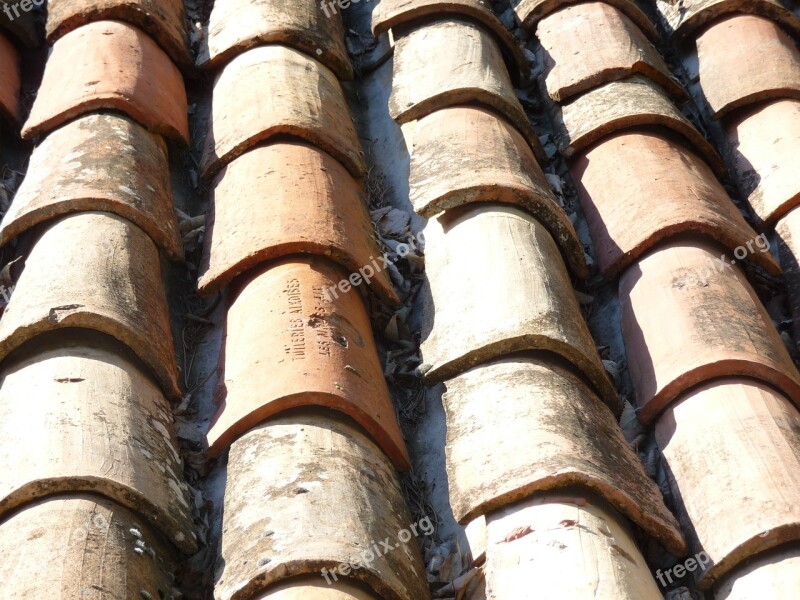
column 94, row 425
column 64, row 547
column 116, row 290
column 567, row 547
column 473, row 259
column 771, row 575
column 631, row 102
column 275, row 90
column 313, row 586
column 733, row 448
column 469, row 68
column 238, row 25
column 680, row 195
column 10, row 106
column 282, row 199
column 689, row 16
column 110, row 65
column 320, row 351
column 164, row 20
column 762, row 141
column 547, row 430
column 530, row 12
column 689, row 316
column 466, row 154
column 592, row 43
column 732, row 55
column 330, row 491
column 390, row 14
column 98, row 162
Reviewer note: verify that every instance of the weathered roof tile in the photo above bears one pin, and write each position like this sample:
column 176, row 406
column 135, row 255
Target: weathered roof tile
column 687, row 17
column 774, row 574
column 530, row 12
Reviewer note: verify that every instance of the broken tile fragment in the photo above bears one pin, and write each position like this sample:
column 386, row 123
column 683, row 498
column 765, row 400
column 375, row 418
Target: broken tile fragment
column 542, row 429
column 689, row 316
column 640, row 186
column 466, row 154
column 235, row 26
column 589, row 44
column 275, row 90
column 288, row 198
column 732, row 54
column 110, row 65
column 110, row 282
column 312, row 492
column 103, row 162
column 310, row 345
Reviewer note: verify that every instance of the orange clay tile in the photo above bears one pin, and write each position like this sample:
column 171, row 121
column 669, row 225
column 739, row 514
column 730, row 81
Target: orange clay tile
column 496, row 269
column 732, row 448
column 288, row 198
column 390, row 14
column 774, row 574
column 639, row 187
column 468, row 68
column 115, row 66
column 689, row 316
column 81, row 419
column 787, row 233
column 569, row 546
column 589, row 44
column 98, row 162
column 238, row 25
column 109, row 282
column 10, row 107
column 530, row 12
column 83, row 547
column 763, row 144
column 314, row 586
column 732, row 54
column 163, row 20
column 632, row 102
column 543, row 430
column 303, row 350
column 326, row 493
column 689, row 16
column 274, row 90
column 466, row 154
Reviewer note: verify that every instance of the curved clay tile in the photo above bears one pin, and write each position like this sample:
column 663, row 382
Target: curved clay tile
column 62, row 548
column 631, row 102
column 327, row 493
column 108, row 282
column 689, row 316
column 473, row 258
column 104, row 163
column 732, row 54
column 589, row 44
column 275, row 90
column 110, row 65
column 638, row 187
column 164, row 20
column 543, row 430
column 311, row 27
column 733, row 452
column 282, row 199
column 689, row 16
column 466, row 154
column 530, row 12
column 389, row 14
column 568, row 546
column 774, row 574
column 450, row 62
column 92, row 424
column 314, row 586
column 764, row 143
column 318, row 345
column 10, row 106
